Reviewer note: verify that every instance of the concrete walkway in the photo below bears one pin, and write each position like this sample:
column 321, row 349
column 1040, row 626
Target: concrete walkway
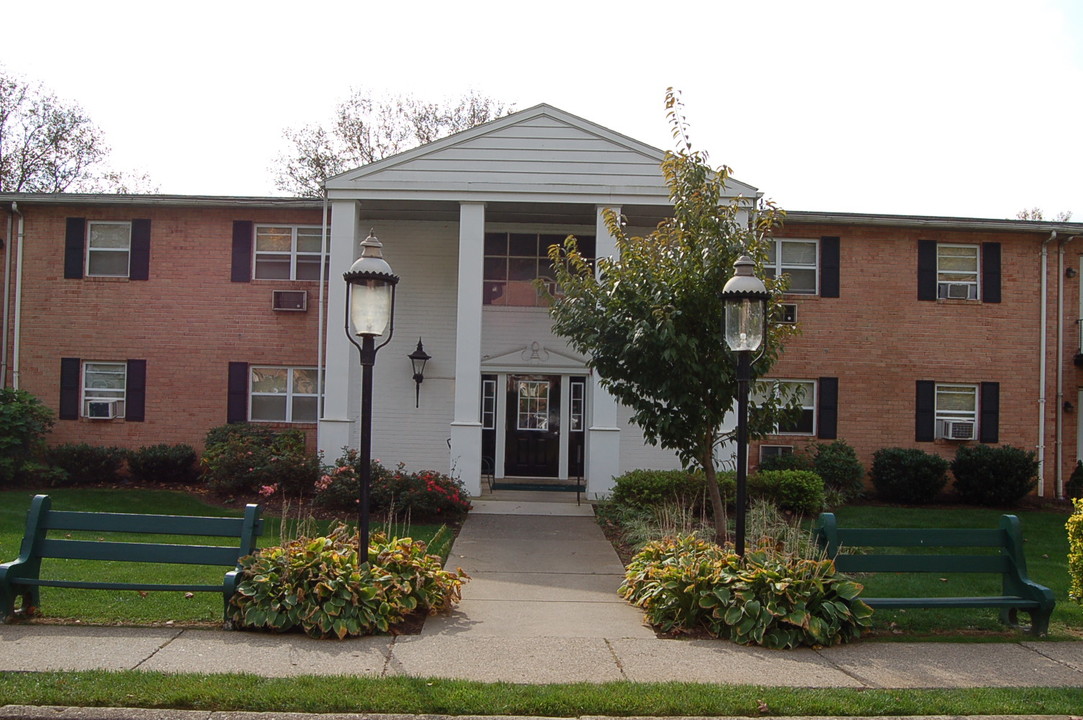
column 541, row 608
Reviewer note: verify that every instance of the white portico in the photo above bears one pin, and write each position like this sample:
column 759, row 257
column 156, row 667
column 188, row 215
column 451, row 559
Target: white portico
column 465, row 223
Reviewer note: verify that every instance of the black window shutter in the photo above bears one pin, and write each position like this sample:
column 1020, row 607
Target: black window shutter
column 69, row 388
column 827, row 424
column 990, row 272
column 925, row 414
column 989, row 430
column 242, row 251
column 829, row 267
column 926, row 270
column 74, row 248
column 135, row 391
column 139, row 267
column 237, row 403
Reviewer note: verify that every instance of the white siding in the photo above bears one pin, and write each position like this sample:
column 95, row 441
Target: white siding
column 424, row 255
column 635, row 453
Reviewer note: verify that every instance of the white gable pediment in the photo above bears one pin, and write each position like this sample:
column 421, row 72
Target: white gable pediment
column 534, row 356
column 539, row 154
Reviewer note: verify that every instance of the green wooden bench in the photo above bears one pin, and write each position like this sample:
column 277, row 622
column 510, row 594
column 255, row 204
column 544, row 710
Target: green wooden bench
column 21, row 578
column 1018, row 592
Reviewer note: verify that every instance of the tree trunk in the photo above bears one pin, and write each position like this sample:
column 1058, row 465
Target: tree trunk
column 718, row 508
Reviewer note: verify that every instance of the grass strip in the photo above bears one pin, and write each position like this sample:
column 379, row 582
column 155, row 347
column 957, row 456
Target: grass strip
column 346, row 694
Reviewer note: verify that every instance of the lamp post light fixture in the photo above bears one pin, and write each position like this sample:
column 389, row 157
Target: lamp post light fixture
column 418, row 358
column 370, row 312
column 745, row 298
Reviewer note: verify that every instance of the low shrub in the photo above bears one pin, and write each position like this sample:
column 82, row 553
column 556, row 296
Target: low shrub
column 422, row 495
column 1074, row 487
column 174, row 464
column 651, row 488
column 789, row 461
column 24, row 422
column 908, row 475
column 87, row 464
column 256, row 460
column 995, row 476
column 767, row 598
column 799, row 491
column 1075, row 552
column 840, row 469
column 318, row 586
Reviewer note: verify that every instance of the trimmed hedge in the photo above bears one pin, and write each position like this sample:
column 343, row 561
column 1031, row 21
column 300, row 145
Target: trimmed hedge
column 995, row 476
column 908, row 475
column 649, row 488
column 799, row 491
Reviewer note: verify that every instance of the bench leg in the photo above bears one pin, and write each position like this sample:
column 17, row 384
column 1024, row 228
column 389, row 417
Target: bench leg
column 1039, row 620
column 30, row 596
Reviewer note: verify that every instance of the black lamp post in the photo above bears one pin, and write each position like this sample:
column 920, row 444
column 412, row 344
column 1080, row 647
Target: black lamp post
column 418, row 358
column 370, row 310
column 745, row 297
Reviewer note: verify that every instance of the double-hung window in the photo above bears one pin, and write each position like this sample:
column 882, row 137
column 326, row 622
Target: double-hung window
column 287, row 252
column 796, row 258
column 283, row 394
column 104, row 389
column 800, row 392
column 956, row 411
column 958, row 268
column 108, row 249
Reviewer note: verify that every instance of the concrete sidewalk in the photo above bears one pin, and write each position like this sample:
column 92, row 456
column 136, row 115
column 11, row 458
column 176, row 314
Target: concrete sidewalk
column 541, row 608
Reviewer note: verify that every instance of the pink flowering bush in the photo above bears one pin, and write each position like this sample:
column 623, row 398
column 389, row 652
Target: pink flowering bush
column 423, row 495
column 250, row 459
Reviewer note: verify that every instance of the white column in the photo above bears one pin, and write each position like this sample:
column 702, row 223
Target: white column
column 339, row 426
column 466, row 427
column 603, row 435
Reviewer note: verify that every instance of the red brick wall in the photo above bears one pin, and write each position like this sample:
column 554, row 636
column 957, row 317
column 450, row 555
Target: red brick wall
column 878, row 339
column 188, row 321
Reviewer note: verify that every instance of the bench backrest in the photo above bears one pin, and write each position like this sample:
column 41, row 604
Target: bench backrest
column 1007, row 538
column 41, row 520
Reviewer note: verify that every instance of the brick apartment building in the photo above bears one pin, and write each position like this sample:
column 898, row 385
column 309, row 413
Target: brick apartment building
column 148, row 319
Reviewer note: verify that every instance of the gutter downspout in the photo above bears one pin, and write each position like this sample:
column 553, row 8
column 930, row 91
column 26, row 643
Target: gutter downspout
column 18, row 299
column 7, row 296
column 325, row 251
column 1060, row 367
column 1042, row 363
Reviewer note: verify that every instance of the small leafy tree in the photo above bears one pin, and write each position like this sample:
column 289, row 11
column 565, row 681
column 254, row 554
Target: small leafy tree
column 652, row 320
column 24, row 421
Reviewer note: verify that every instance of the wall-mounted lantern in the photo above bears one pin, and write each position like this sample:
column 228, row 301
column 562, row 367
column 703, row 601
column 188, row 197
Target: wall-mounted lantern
column 418, row 358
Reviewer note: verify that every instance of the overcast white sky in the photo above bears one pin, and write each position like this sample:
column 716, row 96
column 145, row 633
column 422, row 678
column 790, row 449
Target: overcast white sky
column 941, row 107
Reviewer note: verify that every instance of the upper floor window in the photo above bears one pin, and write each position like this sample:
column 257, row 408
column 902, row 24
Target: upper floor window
column 283, row 394
column 796, row 258
column 513, row 261
column 108, row 249
column 957, row 271
column 287, row 252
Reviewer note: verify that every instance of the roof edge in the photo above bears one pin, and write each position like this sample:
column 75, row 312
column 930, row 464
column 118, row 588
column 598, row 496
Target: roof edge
column 932, row 221
column 158, row 200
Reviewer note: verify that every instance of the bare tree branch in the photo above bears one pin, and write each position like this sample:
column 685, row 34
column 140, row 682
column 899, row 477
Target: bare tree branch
column 367, row 129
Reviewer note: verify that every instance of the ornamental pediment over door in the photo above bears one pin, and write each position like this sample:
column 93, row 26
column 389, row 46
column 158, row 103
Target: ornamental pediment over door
column 534, row 355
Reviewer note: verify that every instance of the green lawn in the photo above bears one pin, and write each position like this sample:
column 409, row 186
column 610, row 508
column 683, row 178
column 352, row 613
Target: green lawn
column 1046, row 549
column 428, row 696
column 120, row 607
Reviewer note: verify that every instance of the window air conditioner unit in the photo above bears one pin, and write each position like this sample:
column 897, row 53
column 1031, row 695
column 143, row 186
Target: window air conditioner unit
column 957, row 429
column 956, row 291
column 102, row 409
column 289, row 300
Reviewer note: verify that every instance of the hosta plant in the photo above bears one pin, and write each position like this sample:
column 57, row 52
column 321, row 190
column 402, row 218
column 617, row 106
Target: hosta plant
column 317, row 585
column 768, row 597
